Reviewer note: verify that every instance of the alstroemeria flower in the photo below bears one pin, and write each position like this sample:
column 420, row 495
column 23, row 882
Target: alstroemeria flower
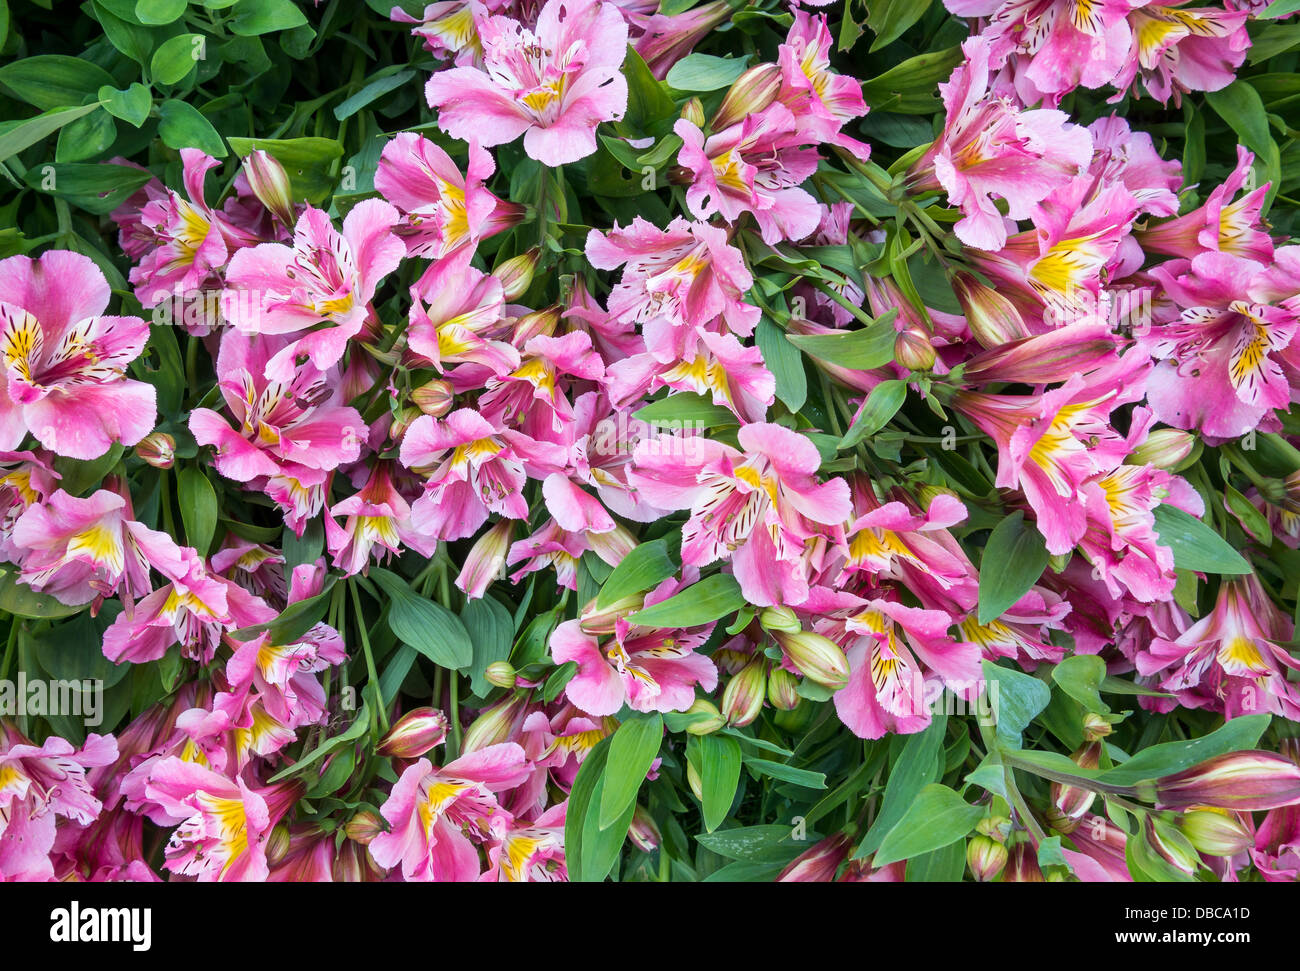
column 436, row 814
column 758, row 507
column 283, row 675
column 472, row 468
column 530, row 852
column 325, row 276
column 687, row 274
column 446, row 212
column 26, row 480
column 552, row 84
column 223, row 823
column 992, row 147
column 64, row 362
column 39, row 784
column 1176, row 49
column 280, row 425
column 80, row 549
column 376, row 519
column 1233, row 659
column 531, row 397
column 453, row 310
column 821, row 101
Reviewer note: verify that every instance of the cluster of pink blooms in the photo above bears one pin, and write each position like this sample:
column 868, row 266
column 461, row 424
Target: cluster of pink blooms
column 525, row 441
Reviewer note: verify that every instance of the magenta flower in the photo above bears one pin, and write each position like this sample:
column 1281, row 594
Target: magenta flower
column 821, row 101
column 64, row 378
column 376, row 521
column 454, row 309
column 1176, row 49
column 757, row 507
column 325, row 276
column 553, row 84
column 437, row 815
column 990, row 147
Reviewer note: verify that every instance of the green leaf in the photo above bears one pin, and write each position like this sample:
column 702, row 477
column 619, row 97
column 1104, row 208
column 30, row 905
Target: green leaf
column 1080, row 677
column 785, row 362
column 491, row 631
column 22, row 601
column 753, row 844
column 861, row 350
column 645, row 567
column 85, row 138
column 910, row 88
column 1252, row 520
column 254, row 17
column 1169, row 757
column 198, row 501
column 1195, row 545
column 877, row 411
column 713, row 597
column 631, row 753
column 719, row 770
column 704, row 72
column 1018, row 700
column 787, row 773
column 944, row 865
column 429, row 627
column 15, row 136
column 890, row 18
column 373, row 91
column 294, row 621
column 53, row 80
column 182, row 126
column 937, row 816
column 917, row 766
column 158, row 12
column 683, row 410
column 311, row 163
column 131, row 104
column 175, row 58
column 95, row 188
column 1014, row 558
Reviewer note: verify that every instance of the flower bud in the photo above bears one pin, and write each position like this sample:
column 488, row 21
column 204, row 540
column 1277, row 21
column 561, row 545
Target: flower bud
column 743, row 698
column 818, row 658
column 1022, row 866
column 157, row 449
column 536, row 323
column 1095, row 727
column 1165, row 448
column 500, row 674
column 782, row 689
column 1215, row 832
column 1170, row 845
column 401, row 422
column 749, row 94
column 693, row 111
column 363, row 827
column 486, row 560
column 414, row 734
column 353, row 864
column 434, row 397
column 496, row 724
column 516, row 274
column 986, row 857
column 643, row 833
column 706, row 718
column 1241, row 781
column 913, row 350
column 277, row 844
column 693, row 780
column 601, row 620
column 270, row 184
column 992, row 318
column 780, row 618
column 818, row 864
column 995, row 827
column 1070, row 803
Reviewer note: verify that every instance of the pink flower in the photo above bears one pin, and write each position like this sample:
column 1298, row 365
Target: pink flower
column 991, row 147
column 757, row 507
column 1176, row 49
column 283, row 675
column 64, row 377
column 454, row 309
column 531, row 852
column 553, row 84
column 822, row 101
column 436, row 815
column 445, row 211
column 39, row 784
column 472, row 468
column 376, row 519
column 325, row 276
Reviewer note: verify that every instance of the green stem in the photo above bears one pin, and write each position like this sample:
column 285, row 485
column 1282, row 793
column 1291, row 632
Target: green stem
column 371, row 673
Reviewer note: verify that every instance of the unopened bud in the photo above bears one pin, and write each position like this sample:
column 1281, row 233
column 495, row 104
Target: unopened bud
column 1095, row 727
column 986, row 857
column 913, row 350
column 157, row 449
column 693, row 780
column 643, row 833
column 1215, row 832
column 537, row 323
column 601, row 620
column 1165, row 448
column 743, row 698
column 782, row 689
column 434, row 397
column 486, row 560
column 501, row 674
column 497, row 724
column 516, row 274
column 693, row 111
column 817, row 658
column 780, row 618
column 363, row 827
column 819, row 863
column 1070, row 803
column 749, row 94
column 270, row 184
column 705, row 718
column 1170, row 845
column 1022, row 865
column 995, row 827
column 1241, row 781
column 401, row 422
column 277, row 844
column 992, row 318
column 414, row 734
